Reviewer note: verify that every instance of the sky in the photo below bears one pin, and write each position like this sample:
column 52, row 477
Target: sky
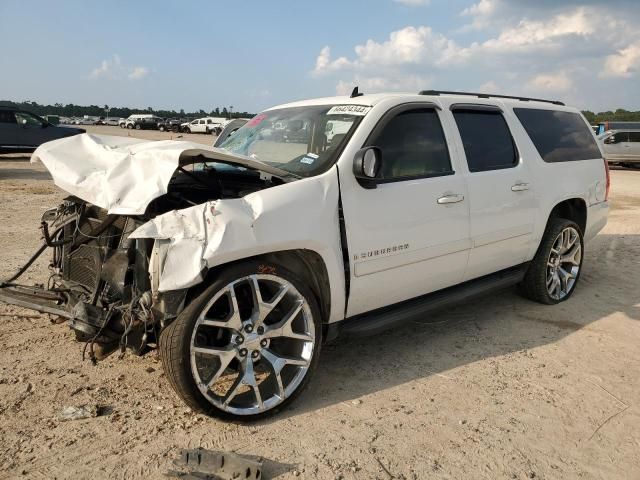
column 252, row 54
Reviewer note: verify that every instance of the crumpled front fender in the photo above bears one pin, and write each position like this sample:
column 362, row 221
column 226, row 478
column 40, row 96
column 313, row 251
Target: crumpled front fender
column 296, row 215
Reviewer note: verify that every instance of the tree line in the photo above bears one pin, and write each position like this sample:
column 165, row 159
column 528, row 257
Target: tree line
column 71, row 110
column 620, row 115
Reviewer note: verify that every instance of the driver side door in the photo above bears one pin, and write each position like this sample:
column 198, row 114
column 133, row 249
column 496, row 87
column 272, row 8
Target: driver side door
column 31, row 130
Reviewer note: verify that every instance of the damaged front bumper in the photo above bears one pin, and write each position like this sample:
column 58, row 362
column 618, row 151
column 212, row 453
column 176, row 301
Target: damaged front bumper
column 99, row 280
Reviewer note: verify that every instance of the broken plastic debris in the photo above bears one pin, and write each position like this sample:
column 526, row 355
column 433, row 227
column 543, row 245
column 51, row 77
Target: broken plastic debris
column 202, row 463
column 78, row 413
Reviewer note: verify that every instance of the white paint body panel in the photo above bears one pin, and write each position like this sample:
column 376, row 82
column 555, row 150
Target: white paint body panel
column 297, row 215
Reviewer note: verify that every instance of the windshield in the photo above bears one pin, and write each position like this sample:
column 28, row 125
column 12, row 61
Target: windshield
column 301, row 140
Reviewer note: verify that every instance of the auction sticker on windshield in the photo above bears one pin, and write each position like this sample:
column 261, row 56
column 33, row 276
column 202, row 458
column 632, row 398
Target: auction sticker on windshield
column 359, row 110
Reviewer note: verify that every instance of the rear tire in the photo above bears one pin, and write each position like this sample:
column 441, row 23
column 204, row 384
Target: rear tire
column 554, row 272
column 270, row 340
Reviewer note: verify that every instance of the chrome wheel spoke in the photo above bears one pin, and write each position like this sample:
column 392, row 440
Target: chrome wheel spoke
column 232, row 392
column 284, row 327
column 278, row 362
column 233, row 321
column 248, row 378
column 225, row 360
column 573, row 256
column 263, row 308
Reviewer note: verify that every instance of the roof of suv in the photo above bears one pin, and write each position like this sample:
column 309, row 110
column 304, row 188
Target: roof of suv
column 372, row 99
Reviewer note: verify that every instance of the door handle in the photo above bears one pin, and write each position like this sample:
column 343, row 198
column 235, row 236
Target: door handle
column 520, row 187
column 453, row 198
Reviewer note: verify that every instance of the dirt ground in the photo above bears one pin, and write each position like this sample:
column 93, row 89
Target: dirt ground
column 498, row 388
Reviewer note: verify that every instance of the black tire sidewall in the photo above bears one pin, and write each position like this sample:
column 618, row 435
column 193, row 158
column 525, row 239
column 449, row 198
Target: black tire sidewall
column 536, row 278
column 187, row 320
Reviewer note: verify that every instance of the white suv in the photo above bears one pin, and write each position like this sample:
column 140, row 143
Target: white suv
column 244, row 259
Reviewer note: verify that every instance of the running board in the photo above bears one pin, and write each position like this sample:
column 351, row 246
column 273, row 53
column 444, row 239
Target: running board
column 33, row 298
column 377, row 321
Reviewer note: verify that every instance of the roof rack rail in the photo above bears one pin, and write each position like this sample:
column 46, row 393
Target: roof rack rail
column 487, row 95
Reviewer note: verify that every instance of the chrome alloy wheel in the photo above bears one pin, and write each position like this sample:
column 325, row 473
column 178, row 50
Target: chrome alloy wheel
column 252, row 344
column 563, row 263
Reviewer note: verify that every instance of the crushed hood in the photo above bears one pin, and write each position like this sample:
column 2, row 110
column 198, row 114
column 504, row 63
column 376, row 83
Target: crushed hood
column 122, row 174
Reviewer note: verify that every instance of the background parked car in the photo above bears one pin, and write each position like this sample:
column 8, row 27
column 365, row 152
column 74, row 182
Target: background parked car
column 169, row 125
column 203, row 125
column 146, row 123
column 622, row 146
column 131, row 119
column 21, row 131
column 112, row 121
column 85, row 121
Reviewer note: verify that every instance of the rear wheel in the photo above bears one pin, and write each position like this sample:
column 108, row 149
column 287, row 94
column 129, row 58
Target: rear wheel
column 161, row 128
column 555, row 270
column 247, row 345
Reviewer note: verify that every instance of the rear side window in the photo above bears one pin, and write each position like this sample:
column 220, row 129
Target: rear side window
column 487, row 141
column 413, row 146
column 618, row 137
column 558, row 136
column 634, row 137
column 7, row 117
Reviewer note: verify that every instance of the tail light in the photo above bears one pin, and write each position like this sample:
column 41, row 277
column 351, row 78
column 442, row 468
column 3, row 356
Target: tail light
column 606, row 169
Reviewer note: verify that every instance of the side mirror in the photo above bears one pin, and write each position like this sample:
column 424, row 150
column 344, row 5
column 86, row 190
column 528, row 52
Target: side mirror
column 366, row 166
column 610, row 140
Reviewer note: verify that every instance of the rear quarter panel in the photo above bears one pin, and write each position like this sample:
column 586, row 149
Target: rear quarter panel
column 559, row 181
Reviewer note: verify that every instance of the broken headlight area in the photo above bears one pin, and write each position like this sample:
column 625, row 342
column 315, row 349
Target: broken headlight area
column 104, row 282
column 99, row 280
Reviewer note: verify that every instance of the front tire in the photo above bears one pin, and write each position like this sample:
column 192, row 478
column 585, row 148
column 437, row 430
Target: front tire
column 554, row 272
column 247, row 345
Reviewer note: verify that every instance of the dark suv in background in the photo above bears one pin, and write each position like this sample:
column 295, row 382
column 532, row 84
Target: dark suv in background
column 21, row 131
column 169, row 125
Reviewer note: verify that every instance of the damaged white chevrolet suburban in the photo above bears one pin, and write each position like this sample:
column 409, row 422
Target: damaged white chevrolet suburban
column 238, row 262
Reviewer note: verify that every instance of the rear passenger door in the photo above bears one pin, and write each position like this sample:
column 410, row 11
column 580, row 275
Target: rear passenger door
column 501, row 200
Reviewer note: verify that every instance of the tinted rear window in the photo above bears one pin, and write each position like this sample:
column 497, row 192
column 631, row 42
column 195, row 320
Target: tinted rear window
column 558, row 136
column 487, row 140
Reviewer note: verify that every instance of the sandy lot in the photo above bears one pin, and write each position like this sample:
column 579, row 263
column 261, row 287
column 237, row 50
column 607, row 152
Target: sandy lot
column 498, row 388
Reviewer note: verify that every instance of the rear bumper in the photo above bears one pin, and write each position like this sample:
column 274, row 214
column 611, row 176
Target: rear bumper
column 597, row 215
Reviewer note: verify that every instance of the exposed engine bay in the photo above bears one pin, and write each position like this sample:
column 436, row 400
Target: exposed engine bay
column 100, row 279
